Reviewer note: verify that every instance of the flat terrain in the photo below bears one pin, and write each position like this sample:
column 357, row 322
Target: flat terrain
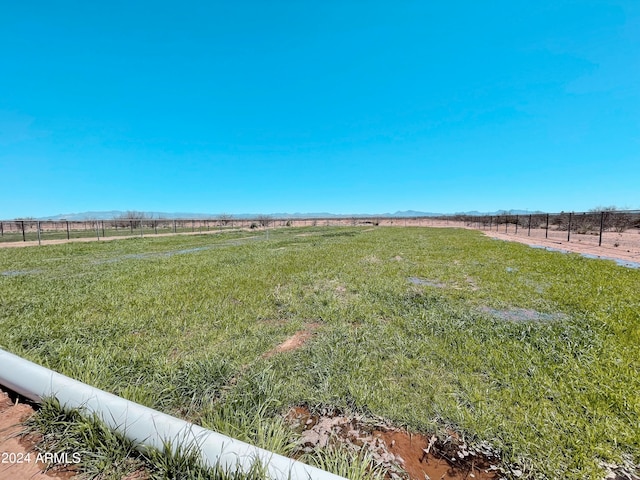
column 439, row 331
column 623, row 246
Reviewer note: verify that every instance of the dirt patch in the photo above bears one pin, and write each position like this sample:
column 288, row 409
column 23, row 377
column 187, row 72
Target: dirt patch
column 371, row 259
column 523, row 315
column 426, row 282
column 17, row 273
column 18, row 457
column 627, row 254
column 295, row 341
column 472, row 283
column 401, row 454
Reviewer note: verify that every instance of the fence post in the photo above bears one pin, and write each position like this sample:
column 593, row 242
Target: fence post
column 97, row 230
column 506, row 224
column 174, row 226
column 569, row 229
column 529, row 234
column 68, row 230
column 102, row 223
column 601, row 226
column 131, row 225
column 517, row 219
column 141, row 229
column 546, row 228
column 24, row 238
column 155, row 226
column 1, row 230
column 38, row 227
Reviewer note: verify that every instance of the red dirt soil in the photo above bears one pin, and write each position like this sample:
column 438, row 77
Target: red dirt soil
column 17, row 454
column 397, row 450
column 411, row 448
column 295, row 341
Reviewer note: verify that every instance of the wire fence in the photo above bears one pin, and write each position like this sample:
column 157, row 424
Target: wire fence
column 31, row 230
column 619, row 229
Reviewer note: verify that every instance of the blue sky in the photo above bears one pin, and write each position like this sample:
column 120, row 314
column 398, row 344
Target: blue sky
column 336, row 106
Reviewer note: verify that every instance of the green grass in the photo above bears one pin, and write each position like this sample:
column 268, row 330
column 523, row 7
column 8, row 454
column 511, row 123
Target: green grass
column 185, row 332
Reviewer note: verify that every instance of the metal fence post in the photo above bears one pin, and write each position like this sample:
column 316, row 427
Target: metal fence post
column 546, row 228
column 569, row 229
column 174, row 226
column 97, row 230
column 517, row 219
column 24, row 238
column 529, row 234
column 601, row 226
column 102, row 223
column 68, row 230
column 38, row 227
column 1, row 230
column 131, row 225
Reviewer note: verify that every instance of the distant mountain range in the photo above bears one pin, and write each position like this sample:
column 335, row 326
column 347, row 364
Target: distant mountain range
column 109, row 215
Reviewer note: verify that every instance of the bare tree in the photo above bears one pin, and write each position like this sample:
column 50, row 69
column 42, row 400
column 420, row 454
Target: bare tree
column 131, row 217
column 264, row 220
column 225, row 219
column 614, row 218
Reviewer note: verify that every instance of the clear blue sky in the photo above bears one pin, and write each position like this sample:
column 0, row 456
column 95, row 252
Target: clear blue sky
column 334, row 106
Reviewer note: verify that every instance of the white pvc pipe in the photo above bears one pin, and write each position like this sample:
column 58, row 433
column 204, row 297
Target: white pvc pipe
column 147, row 427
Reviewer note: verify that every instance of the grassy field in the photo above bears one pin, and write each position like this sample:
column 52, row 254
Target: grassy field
column 536, row 352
